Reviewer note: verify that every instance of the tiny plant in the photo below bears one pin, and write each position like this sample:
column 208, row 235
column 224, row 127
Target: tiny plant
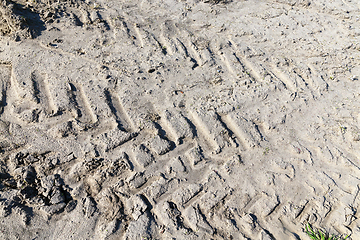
column 266, row 151
column 342, row 129
column 319, row 235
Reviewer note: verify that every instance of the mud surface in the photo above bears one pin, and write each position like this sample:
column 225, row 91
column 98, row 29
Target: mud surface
column 210, row 119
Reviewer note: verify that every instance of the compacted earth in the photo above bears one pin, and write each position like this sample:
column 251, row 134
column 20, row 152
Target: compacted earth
column 179, row 119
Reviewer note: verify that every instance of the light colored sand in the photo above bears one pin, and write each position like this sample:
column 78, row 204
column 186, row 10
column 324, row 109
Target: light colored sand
column 179, row 119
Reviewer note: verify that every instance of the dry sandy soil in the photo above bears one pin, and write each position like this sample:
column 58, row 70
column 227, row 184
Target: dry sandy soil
column 179, row 119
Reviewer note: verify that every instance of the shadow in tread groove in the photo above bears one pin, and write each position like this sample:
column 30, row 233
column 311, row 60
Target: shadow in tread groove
column 118, row 111
column 5, row 75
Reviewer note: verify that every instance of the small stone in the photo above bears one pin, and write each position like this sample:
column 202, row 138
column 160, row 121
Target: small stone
column 53, row 208
column 57, row 197
column 71, row 206
column 29, row 174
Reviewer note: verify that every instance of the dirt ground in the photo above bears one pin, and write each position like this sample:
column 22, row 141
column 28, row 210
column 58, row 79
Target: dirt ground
column 179, row 119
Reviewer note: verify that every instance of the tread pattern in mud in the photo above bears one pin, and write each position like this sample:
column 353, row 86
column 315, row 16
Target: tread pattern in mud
column 198, row 136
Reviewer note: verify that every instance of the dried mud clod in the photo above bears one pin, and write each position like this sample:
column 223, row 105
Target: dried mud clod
column 25, row 190
column 19, row 21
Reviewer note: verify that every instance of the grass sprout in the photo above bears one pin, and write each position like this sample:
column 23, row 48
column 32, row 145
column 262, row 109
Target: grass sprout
column 319, row 235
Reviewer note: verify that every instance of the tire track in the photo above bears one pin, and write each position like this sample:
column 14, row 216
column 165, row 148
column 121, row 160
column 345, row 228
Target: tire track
column 5, row 81
column 173, row 151
column 42, row 92
column 245, row 131
column 117, row 109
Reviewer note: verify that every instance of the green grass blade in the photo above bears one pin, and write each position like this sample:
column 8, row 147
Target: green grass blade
column 317, row 234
